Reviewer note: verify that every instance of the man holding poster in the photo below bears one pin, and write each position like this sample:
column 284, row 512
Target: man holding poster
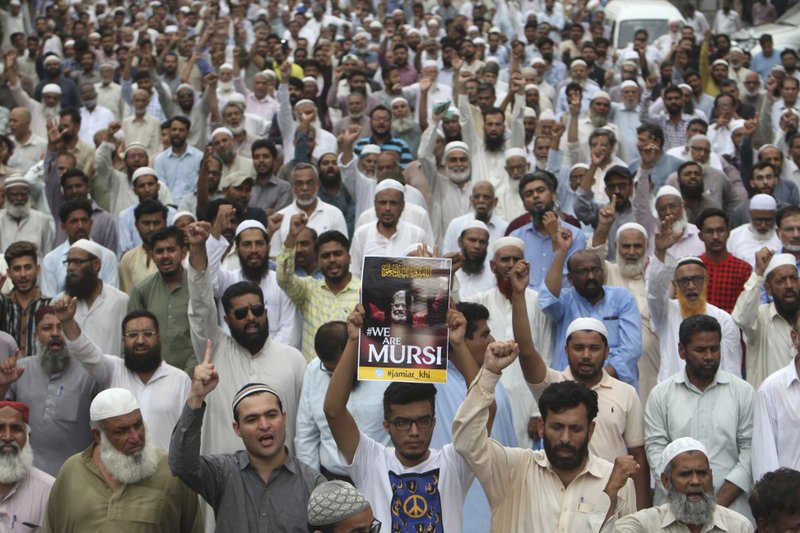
column 410, row 486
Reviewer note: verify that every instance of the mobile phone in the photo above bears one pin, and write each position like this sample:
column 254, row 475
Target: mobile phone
column 285, row 45
column 441, row 107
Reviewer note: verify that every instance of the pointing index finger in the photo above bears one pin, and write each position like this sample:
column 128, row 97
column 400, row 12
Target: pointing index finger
column 209, row 352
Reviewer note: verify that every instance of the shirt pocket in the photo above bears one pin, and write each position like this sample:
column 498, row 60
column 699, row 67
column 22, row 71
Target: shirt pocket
column 137, row 504
column 612, row 325
column 68, row 407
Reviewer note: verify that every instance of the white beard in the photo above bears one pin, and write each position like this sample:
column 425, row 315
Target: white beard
column 225, row 86
column 128, row 469
column 761, row 237
column 541, row 165
column 402, row 125
column 305, row 203
column 237, row 130
column 630, row 269
column 679, row 225
column 459, row 177
column 51, row 112
column 14, row 467
column 630, row 105
column 18, row 211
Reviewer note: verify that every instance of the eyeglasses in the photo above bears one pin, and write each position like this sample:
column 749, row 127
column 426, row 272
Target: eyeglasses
column 404, row 424
column 583, row 272
column 240, row 313
column 694, row 280
column 147, row 334
column 375, row 527
column 77, row 262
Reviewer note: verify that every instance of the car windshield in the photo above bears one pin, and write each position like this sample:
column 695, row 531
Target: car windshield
column 627, row 28
column 791, row 17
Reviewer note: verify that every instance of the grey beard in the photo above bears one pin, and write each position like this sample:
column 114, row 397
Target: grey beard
column 128, row 469
column 52, row 361
column 402, row 125
column 693, row 513
column 237, row 130
column 628, row 269
column 630, row 105
column 598, row 121
column 51, row 112
column 679, row 225
column 18, row 211
column 14, row 467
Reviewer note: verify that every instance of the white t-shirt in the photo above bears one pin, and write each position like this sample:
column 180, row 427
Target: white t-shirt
column 430, row 493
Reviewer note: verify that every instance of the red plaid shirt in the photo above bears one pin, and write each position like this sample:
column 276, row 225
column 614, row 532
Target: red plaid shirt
column 726, row 281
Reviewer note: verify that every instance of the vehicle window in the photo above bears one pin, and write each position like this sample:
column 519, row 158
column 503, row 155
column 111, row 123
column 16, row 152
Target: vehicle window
column 792, row 16
column 655, row 29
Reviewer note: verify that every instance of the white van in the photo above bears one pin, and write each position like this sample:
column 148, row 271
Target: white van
column 626, row 16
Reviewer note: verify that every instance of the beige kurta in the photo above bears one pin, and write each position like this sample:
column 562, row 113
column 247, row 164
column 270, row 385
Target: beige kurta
column 135, row 266
column 661, row 518
column 36, row 228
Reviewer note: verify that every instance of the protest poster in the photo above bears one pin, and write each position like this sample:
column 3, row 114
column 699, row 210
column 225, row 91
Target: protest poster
column 405, row 334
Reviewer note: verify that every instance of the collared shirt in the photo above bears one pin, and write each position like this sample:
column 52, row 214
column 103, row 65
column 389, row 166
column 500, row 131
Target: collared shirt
column 661, row 518
column 744, row 243
column 27, row 500
column 314, row 443
column 28, row 154
column 81, row 500
column 93, row 121
column 160, row 399
column 721, row 418
column 146, row 130
column 618, row 311
column 666, row 165
column 539, row 250
column 59, row 406
column 101, row 321
column 393, row 144
column 767, row 334
column 314, row 299
column 367, row 240
column 54, row 271
column 324, row 218
column 523, row 405
column 110, row 97
column 229, row 482
column 363, row 189
column 776, row 422
column 129, row 237
column 525, row 494
column 666, row 318
column 497, row 229
column 169, row 304
column 620, row 419
column 266, row 107
column 277, row 364
column 104, row 227
column 725, row 281
column 36, row 228
column 470, row 284
column 134, row 267
column 179, row 172
column 275, row 194
column 674, row 134
column 344, row 202
column 19, row 322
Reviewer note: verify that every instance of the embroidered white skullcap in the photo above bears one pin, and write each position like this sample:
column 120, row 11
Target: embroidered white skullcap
column 250, row 224
column 430, row 63
column 628, row 83
column 699, row 137
column 370, row 149
column 475, row 224
column 514, row 152
column 547, row 114
column 735, row 49
column 360, row 34
column 455, row 145
column 668, row 190
column 736, row 124
column 452, row 112
column 537, row 61
column 779, row 260
column 89, row 247
column 690, row 260
column 181, row 214
column 587, row 324
column 183, row 86
column 108, row 64
column 376, row 24
column 133, row 145
column 578, row 62
column 112, row 402
column 491, row 59
column 51, row 88
column 304, row 101
column 15, row 180
column 334, row 501
column 679, row 446
column 249, row 390
column 601, row 94
column 143, row 171
column 576, row 166
column 529, row 112
column 225, row 66
column 719, row 62
column 413, row 31
column 397, row 100
column 631, row 225
column 390, row 184
column 221, row 130
column 763, row 202
column 503, row 242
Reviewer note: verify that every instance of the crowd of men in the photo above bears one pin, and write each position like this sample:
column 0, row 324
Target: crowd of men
column 188, row 191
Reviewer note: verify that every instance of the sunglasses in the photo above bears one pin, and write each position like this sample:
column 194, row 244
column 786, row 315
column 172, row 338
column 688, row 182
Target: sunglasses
column 240, row 313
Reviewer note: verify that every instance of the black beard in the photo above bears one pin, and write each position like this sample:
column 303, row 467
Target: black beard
column 254, row 273
column 252, row 342
column 692, row 191
column 80, row 287
column 786, row 310
column 187, row 108
column 146, row 362
column 688, row 107
column 565, row 464
column 591, row 292
column 176, row 142
column 674, row 109
column 451, row 139
column 473, row 266
column 67, row 137
column 538, row 214
column 493, row 144
column 701, row 372
column 330, row 180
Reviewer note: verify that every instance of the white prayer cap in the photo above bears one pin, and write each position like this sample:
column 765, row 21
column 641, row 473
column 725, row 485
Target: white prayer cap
column 51, row 88
column 601, row 94
column 225, row 66
column 143, row 171
column 668, row 190
column 766, row 146
column 361, row 34
column 412, row 249
column 628, row 83
column 15, row 180
column 472, row 29
column 305, row 101
column 628, row 55
column 333, row 502
column 699, row 137
column 515, row 152
column 370, row 149
column 587, row 324
column 763, row 202
column 171, row 29
column 779, row 260
column 673, row 21
column 475, row 224
column 133, row 145
column 679, row 446
column 251, row 389
column 455, row 145
column 68, row 43
column 547, row 114
column 491, row 59
column 630, row 63
column 183, row 86
column 15, row 3
column 52, row 58
column 397, row 100
column 88, row 246
column 112, row 402
column 685, row 86
column 376, row 24
column 690, row 260
column 109, row 64
column 578, row 62
column 503, row 242
column 413, row 31
column 529, row 113
column 719, row 62
column 576, row 166
column 430, row 63
column 390, row 184
column 494, row 29
column 530, row 86
column 181, row 214
column 250, row 224
column 479, row 41
column 631, row 225
column 452, row 112
column 267, row 73
column 221, row 130
column 236, row 98
column 537, row 61
column 736, row 124
column 735, row 49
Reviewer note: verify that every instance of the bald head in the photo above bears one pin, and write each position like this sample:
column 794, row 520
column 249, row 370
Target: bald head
column 19, row 121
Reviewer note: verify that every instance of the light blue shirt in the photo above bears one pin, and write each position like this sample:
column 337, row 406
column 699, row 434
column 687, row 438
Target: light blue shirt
column 617, row 310
column 763, row 64
column 129, row 237
column 54, row 271
column 449, row 397
column 179, row 172
column 539, row 250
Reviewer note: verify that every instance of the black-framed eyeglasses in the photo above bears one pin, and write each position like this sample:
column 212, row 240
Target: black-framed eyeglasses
column 404, row 424
column 694, row 280
column 241, row 312
column 583, row 272
column 147, row 334
column 77, row 262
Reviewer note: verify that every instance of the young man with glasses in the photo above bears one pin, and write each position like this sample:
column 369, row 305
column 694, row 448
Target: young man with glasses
column 160, row 388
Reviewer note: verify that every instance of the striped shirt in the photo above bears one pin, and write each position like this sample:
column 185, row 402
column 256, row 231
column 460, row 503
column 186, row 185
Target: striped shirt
column 394, row 144
column 19, row 322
